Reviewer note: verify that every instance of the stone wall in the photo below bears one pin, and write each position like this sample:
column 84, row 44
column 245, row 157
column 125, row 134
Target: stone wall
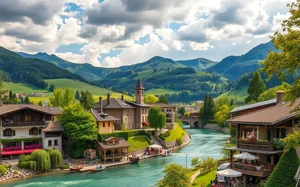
column 216, row 127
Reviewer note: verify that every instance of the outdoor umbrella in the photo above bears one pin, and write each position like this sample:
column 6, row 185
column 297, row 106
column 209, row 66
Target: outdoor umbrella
column 155, row 146
column 229, row 173
column 246, row 156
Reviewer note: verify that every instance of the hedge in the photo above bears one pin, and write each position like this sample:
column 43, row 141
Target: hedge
column 284, row 172
column 2, row 169
column 124, row 134
column 19, row 139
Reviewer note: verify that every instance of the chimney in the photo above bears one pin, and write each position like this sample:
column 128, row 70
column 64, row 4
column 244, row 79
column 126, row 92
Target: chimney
column 122, row 97
column 100, row 103
column 108, row 99
column 279, row 97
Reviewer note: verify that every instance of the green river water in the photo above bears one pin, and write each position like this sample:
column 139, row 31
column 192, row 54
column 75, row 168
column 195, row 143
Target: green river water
column 205, row 142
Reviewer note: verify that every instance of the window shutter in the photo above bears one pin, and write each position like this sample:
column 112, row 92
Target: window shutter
column 283, row 133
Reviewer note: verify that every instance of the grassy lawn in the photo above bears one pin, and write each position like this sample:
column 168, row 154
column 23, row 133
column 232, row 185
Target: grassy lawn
column 205, row 178
column 192, row 171
column 238, row 95
column 22, row 87
column 160, row 91
column 138, row 142
column 176, row 133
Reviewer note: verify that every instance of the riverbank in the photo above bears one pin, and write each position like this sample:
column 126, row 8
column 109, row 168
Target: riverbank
column 216, row 127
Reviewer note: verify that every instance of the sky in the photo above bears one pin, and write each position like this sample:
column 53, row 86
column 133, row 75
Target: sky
column 114, row 33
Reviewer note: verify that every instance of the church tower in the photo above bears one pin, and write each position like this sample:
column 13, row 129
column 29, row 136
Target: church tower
column 139, row 92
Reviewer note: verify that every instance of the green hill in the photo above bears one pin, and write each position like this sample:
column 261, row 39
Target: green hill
column 198, row 63
column 232, row 67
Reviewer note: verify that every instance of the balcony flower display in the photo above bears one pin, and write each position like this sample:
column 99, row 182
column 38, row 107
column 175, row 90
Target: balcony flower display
column 32, row 146
column 145, row 124
column 11, row 148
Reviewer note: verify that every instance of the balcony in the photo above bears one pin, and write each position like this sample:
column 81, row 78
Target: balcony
column 22, row 124
column 263, row 170
column 256, row 144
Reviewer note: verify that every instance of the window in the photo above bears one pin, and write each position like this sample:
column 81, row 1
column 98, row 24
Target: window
column 9, row 132
column 49, row 142
column 40, row 131
column 138, row 92
column 27, row 118
column 108, row 124
column 55, row 142
column 17, row 118
column 33, row 131
column 104, row 124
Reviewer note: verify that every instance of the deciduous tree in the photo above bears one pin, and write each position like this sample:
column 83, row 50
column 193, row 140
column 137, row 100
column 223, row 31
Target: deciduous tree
column 175, row 176
column 150, row 99
column 86, row 100
column 79, row 125
column 163, row 99
column 222, row 115
column 161, row 120
column 2, row 90
column 271, row 93
column 286, row 61
column 57, row 98
column 42, row 159
column 153, row 116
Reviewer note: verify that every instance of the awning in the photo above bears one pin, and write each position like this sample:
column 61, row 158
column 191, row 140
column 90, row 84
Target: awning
column 246, row 156
column 155, row 146
column 229, row 173
column 18, row 152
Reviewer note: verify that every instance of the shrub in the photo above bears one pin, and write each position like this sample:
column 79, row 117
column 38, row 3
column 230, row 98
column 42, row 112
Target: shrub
column 179, row 141
column 56, row 158
column 16, row 171
column 32, row 165
column 124, row 134
column 65, row 166
column 42, row 159
column 279, row 144
column 25, row 158
column 23, row 165
column 284, row 172
column 2, row 169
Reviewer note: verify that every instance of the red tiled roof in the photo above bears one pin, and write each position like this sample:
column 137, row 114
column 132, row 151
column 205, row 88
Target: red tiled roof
column 267, row 116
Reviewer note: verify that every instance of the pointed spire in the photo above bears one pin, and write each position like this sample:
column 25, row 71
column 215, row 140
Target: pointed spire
column 139, row 85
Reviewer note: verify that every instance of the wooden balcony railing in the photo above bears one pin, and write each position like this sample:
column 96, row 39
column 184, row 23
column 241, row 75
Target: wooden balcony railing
column 21, row 124
column 119, row 155
column 258, row 145
column 260, row 171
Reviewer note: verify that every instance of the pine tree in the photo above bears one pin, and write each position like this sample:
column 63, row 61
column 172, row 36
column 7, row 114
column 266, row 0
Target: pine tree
column 2, row 91
column 207, row 110
column 26, row 100
column 86, row 100
column 163, row 99
column 77, row 95
column 10, row 95
column 255, row 88
column 51, row 88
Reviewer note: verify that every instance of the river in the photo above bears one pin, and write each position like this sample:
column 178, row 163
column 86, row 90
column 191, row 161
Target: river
column 205, row 142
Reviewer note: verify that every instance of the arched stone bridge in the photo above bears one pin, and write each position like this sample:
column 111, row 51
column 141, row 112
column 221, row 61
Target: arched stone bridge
column 192, row 121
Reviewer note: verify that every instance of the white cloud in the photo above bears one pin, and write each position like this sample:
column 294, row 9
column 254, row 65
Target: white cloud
column 200, row 46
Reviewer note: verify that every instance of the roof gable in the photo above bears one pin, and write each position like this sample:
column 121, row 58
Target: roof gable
column 255, row 105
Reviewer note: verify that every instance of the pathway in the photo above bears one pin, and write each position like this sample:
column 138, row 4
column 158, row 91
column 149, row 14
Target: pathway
column 194, row 176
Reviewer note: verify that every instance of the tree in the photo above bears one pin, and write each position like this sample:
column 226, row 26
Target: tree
column 195, row 162
column 86, row 100
column 163, row 99
column 207, row 164
column 255, row 88
column 68, row 97
column 51, row 88
column 26, row 100
column 153, row 116
column 207, row 110
column 187, row 114
column 42, row 159
column 175, row 176
column 285, row 170
column 222, row 115
column 10, row 95
column 292, row 140
column 150, row 99
column 56, row 158
column 57, row 98
column 2, row 91
column 271, row 93
column 78, row 124
column 161, row 120
column 77, row 95
column 181, row 110
column 286, row 60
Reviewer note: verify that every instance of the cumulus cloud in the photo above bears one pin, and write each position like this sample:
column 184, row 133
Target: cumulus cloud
column 139, row 29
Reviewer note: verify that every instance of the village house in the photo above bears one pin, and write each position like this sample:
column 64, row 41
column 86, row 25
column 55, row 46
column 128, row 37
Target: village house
column 131, row 115
column 25, row 127
column 258, row 127
column 105, row 122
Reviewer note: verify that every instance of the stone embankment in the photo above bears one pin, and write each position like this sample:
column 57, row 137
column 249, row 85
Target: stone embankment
column 15, row 174
column 216, row 127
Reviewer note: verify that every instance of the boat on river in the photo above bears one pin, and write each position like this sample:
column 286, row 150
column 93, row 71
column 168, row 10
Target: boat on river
column 76, row 168
column 98, row 168
column 134, row 159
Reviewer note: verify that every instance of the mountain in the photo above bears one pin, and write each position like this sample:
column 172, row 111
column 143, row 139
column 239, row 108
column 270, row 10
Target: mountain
column 232, row 67
column 198, row 63
column 16, row 68
column 87, row 71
